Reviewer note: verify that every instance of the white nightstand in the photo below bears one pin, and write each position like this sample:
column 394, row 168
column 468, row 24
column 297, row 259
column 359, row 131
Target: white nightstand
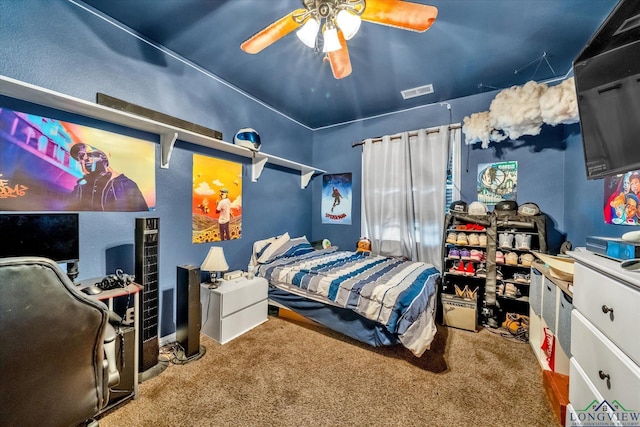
column 232, row 309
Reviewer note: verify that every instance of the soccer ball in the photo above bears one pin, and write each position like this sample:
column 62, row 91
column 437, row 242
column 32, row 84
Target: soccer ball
column 247, row 138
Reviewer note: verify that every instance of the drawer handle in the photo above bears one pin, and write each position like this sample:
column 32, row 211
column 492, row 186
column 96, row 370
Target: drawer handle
column 607, row 377
column 609, row 310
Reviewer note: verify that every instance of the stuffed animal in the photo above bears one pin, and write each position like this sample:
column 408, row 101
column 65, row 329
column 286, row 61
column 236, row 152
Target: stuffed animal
column 364, row 245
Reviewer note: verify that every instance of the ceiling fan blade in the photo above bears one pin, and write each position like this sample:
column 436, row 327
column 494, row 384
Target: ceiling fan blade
column 272, row 33
column 339, row 59
column 400, row 14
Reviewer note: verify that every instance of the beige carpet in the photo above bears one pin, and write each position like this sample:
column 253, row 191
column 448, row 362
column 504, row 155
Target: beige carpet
column 284, row 373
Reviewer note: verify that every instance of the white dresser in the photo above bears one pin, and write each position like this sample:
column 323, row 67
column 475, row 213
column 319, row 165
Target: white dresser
column 605, row 343
column 233, row 308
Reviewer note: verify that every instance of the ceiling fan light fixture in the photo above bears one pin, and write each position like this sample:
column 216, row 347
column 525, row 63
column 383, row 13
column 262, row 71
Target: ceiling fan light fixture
column 309, row 32
column 348, row 22
column 331, row 41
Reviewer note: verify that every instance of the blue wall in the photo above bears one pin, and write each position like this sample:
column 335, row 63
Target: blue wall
column 61, row 46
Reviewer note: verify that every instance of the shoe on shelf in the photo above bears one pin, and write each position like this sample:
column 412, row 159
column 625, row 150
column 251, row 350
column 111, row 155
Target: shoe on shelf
column 474, row 240
column 505, row 240
column 499, row 275
column 511, row 291
column 465, row 254
column 522, row 278
column 461, row 227
column 482, row 240
column 452, row 238
column 500, row 289
column 462, row 239
column 499, row 257
column 454, row 267
column 459, row 292
column 470, row 294
column 475, row 255
column 454, row 253
column 526, row 259
column 461, row 268
column 481, row 271
column 511, row 258
column 469, row 270
column 523, row 241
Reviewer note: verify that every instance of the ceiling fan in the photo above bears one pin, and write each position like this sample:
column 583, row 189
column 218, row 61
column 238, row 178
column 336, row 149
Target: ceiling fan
column 331, row 23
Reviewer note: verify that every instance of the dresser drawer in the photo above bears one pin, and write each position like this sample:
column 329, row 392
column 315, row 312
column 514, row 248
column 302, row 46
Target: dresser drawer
column 597, row 357
column 595, row 294
column 238, row 295
column 582, row 392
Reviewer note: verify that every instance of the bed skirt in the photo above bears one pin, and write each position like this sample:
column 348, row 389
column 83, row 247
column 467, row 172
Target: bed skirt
column 339, row 319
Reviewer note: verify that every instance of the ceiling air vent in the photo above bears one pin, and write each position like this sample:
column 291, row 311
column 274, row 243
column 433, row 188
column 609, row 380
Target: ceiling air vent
column 417, row 91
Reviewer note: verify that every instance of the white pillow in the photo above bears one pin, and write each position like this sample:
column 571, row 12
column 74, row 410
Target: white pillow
column 267, row 251
column 258, row 247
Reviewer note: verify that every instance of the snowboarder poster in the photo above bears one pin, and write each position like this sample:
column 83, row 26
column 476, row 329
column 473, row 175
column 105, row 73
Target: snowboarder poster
column 336, row 199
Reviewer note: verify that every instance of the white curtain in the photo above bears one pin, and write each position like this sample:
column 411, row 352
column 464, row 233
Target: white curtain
column 403, row 192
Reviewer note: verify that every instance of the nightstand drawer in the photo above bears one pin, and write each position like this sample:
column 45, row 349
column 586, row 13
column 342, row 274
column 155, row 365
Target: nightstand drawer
column 242, row 321
column 233, row 308
column 595, row 294
column 241, row 293
column 613, row 374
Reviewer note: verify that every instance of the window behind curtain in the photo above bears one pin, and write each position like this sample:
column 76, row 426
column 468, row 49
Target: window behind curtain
column 453, row 175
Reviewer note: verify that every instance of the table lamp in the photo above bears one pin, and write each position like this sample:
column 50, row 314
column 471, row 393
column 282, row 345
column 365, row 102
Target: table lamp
column 215, row 262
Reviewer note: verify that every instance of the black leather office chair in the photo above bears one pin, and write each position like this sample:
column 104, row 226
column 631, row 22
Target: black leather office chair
column 53, row 368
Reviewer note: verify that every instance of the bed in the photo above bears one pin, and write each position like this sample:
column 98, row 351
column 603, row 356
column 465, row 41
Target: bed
column 377, row 300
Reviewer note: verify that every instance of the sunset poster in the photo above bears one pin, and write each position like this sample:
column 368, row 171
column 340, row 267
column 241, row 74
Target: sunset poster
column 216, row 200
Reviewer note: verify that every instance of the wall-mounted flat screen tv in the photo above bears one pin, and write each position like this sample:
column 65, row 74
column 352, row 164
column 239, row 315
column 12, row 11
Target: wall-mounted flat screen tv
column 607, row 78
column 53, row 236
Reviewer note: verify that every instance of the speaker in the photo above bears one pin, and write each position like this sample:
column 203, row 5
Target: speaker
column 147, row 244
column 188, row 312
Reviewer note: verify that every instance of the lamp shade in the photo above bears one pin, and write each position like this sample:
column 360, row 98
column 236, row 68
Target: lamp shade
column 331, row 42
column 215, row 260
column 308, row 32
column 349, row 23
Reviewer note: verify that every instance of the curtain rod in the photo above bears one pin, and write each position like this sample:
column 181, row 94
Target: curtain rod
column 414, row 133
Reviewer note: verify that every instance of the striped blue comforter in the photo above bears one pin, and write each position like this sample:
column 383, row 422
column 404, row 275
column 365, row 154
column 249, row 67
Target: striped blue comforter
column 396, row 293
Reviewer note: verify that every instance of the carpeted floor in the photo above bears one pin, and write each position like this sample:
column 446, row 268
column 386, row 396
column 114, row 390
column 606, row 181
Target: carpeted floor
column 284, row 373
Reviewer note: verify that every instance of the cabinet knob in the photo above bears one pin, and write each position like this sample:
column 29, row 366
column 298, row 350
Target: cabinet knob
column 604, row 376
column 606, row 309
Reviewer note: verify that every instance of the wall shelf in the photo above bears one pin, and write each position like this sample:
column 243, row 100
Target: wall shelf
column 168, row 134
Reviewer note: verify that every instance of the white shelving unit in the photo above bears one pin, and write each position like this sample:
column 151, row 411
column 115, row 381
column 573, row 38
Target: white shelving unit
column 168, row 134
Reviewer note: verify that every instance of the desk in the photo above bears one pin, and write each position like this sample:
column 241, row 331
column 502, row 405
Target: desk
column 130, row 319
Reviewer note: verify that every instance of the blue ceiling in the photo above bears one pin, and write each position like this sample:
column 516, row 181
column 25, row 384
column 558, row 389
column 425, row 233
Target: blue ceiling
column 474, row 46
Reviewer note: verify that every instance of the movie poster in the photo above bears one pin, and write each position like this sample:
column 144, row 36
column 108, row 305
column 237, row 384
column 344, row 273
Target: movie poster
column 336, row 199
column 497, row 182
column 216, row 200
column 621, row 195
column 51, row 165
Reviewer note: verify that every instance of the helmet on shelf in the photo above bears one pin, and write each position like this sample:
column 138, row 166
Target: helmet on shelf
column 529, row 209
column 506, row 208
column 247, row 138
column 477, row 208
column 458, row 206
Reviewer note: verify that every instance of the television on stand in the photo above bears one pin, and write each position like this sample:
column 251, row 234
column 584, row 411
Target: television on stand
column 607, row 79
column 52, row 235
